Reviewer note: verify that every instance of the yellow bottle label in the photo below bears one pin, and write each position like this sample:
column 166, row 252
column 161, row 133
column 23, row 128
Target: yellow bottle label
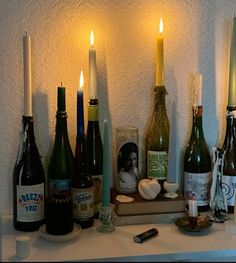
column 93, row 113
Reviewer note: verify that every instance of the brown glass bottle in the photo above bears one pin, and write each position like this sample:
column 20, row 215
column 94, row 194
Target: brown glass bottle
column 157, row 139
column 229, row 168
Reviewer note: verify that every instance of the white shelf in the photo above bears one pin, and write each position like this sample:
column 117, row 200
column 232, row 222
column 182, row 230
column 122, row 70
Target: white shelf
column 170, row 245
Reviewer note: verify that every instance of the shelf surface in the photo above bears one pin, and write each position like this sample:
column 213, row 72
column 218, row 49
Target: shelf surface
column 215, row 244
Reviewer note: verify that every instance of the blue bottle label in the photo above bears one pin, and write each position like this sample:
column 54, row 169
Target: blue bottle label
column 229, row 187
column 60, row 189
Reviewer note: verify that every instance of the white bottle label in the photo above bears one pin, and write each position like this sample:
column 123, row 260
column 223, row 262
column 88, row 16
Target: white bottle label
column 197, row 186
column 83, row 203
column 157, row 163
column 229, row 187
column 30, row 202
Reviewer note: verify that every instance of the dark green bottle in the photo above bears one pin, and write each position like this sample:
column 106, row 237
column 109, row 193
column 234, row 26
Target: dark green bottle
column 229, row 168
column 59, row 208
column 157, row 139
column 95, row 153
column 197, row 164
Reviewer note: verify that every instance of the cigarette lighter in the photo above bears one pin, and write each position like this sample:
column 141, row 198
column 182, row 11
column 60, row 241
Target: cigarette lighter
column 146, row 235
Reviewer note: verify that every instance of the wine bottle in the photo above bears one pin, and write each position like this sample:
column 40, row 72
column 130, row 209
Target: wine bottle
column 59, row 207
column 197, row 164
column 157, row 139
column 82, row 183
column 28, row 182
column 95, row 153
column 229, row 167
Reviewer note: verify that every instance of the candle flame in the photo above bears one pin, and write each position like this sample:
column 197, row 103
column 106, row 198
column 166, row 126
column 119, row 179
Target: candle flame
column 81, row 82
column 161, row 26
column 92, row 38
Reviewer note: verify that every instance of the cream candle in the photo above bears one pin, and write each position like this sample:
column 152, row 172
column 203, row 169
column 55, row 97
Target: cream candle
column 193, row 210
column 197, row 84
column 92, row 69
column 106, row 166
column 27, row 75
column 160, row 57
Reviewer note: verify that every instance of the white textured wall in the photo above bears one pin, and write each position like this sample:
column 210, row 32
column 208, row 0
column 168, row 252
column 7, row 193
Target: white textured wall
column 197, row 37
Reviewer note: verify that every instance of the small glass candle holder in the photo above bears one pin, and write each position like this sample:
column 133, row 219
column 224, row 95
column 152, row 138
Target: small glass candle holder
column 127, row 157
column 105, row 217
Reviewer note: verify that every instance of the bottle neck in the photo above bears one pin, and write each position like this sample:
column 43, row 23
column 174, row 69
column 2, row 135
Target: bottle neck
column 159, row 98
column 197, row 130
column 93, row 114
column 61, row 125
column 28, row 128
column 230, row 135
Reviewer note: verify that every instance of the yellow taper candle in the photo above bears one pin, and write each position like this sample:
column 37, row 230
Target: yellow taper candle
column 160, row 57
column 232, row 68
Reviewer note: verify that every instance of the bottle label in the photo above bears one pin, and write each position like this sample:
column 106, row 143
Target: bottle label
column 93, row 113
column 83, row 203
column 229, row 187
column 59, row 189
column 97, row 182
column 30, row 202
column 157, row 163
column 197, row 187
column 127, row 164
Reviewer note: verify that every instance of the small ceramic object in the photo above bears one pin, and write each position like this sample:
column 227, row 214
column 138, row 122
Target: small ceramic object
column 171, row 189
column 149, row 188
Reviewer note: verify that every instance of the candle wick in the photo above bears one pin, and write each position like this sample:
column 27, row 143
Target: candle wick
column 61, row 83
column 26, row 33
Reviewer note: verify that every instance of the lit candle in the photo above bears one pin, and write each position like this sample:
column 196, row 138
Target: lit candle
column 197, row 85
column 232, row 68
column 80, row 106
column 27, row 76
column 160, row 57
column 92, row 69
column 106, row 167
column 193, row 210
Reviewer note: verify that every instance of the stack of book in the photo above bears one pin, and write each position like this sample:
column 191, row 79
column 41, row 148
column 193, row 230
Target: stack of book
column 146, row 211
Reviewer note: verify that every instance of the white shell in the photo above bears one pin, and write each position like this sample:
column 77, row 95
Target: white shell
column 149, row 188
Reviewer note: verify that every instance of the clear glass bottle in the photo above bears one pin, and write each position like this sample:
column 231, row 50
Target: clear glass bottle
column 28, row 182
column 59, row 208
column 229, row 168
column 197, row 164
column 95, row 153
column 157, row 139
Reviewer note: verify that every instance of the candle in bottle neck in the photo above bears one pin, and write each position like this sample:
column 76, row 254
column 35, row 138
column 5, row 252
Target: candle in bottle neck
column 197, row 84
column 160, row 57
column 27, row 75
column 80, row 106
column 232, row 68
column 92, row 69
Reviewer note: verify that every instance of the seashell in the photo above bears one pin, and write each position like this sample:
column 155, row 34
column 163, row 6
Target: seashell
column 149, row 188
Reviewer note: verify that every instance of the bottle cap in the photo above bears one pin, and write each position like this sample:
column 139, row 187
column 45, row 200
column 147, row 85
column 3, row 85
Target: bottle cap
column 22, row 246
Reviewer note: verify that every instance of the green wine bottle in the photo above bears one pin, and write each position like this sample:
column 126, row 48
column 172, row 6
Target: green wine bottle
column 157, row 139
column 59, row 208
column 197, row 164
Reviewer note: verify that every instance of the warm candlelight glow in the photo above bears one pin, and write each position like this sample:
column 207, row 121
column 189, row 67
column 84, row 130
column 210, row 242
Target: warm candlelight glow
column 92, row 39
column 81, row 81
column 161, row 26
